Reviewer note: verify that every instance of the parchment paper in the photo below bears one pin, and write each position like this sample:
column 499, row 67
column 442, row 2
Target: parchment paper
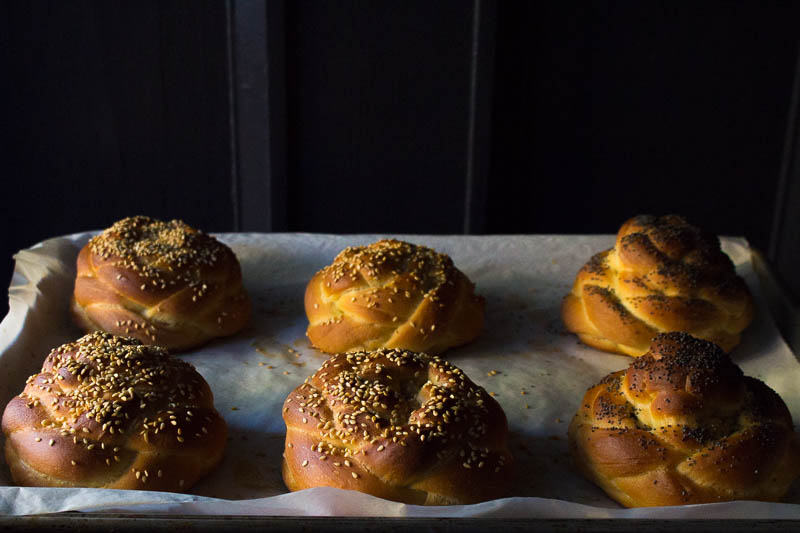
column 541, row 375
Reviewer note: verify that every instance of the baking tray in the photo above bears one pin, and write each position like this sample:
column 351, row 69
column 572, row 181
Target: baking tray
column 523, row 278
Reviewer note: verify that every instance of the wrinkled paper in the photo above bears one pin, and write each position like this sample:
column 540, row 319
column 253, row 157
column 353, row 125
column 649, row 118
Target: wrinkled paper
column 535, row 369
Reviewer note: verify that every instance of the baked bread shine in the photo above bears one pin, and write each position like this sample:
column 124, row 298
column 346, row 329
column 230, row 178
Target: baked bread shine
column 399, row 425
column 392, row 294
column 110, row 412
column 662, row 275
column 683, row 425
column 163, row 283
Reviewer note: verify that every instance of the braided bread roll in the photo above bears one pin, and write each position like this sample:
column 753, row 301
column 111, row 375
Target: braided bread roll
column 398, row 425
column 110, row 412
column 392, row 294
column 683, row 425
column 163, row 283
column 662, row 275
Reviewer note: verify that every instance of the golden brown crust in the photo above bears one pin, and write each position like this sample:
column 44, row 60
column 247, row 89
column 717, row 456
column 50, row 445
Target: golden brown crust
column 398, row 425
column 163, row 283
column 662, row 275
column 392, row 294
column 109, row 412
column 683, row 425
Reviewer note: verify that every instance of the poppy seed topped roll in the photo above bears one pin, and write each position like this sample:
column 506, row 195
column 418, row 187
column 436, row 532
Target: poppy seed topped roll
column 683, row 425
column 662, row 275
column 392, row 294
column 398, row 425
column 164, row 283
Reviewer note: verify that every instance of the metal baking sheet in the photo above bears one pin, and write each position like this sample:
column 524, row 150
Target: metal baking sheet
column 536, row 370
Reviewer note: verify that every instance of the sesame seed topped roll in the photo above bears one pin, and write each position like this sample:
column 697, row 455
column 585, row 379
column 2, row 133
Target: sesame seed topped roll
column 163, row 283
column 662, row 275
column 399, row 425
column 392, row 294
column 683, row 425
column 110, row 412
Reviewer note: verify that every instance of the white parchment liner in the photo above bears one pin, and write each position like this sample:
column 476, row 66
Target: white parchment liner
column 542, row 374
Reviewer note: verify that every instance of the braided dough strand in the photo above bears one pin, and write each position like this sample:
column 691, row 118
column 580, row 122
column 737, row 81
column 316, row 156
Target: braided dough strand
column 392, row 294
column 662, row 275
column 163, row 283
column 399, row 425
column 683, row 425
column 110, row 412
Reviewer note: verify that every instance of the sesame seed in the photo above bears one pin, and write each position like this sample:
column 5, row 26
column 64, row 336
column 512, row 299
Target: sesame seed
column 115, row 375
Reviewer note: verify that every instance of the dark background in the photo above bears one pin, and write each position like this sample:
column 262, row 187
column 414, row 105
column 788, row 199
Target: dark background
column 400, row 117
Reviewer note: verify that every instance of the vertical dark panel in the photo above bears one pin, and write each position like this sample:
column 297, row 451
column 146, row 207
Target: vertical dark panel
column 378, row 96
column 615, row 108
column 163, row 68
column 6, row 244
column 257, row 92
column 484, row 28
column 116, row 111
column 784, row 250
column 540, row 120
column 116, row 108
column 193, row 85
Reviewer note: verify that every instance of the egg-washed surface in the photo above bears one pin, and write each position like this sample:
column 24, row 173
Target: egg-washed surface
column 164, row 283
column 683, row 425
column 524, row 359
column 663, row 274
column 392, row 294
column 110, row 412
column 400, row 425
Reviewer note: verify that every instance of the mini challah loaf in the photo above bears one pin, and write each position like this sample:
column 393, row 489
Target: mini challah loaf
column 398, row 425
column 683, row 425
column 163, row 283
column 662, row 275
column 110, row 412
column 392, row 294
